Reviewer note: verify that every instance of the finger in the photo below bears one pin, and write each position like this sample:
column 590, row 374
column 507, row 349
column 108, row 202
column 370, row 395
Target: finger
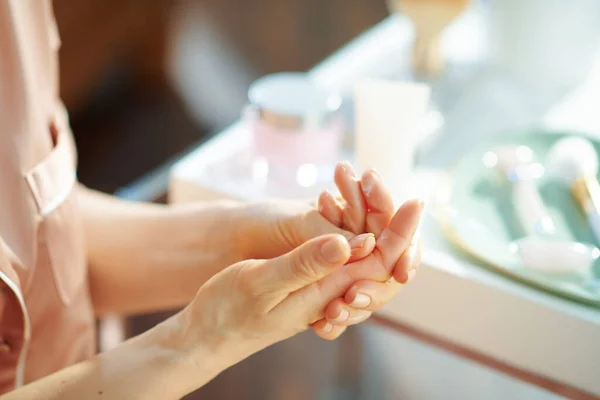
column 339, row 313
column 396, row 238
column 391, row 244
column 379, row 203
column 349, row 186
column 406, row 268
column 302, row 266
column 361, row 246
column 377, row 266
column 330, row 209
column 328, row 331
column 370, row 295
column 317, row 225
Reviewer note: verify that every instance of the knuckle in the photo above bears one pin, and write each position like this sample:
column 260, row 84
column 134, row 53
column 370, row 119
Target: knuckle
column 405, row 259
column 403, row 238
column 305, row 267
column 283, row 232
column 370, row 268
column 400, row 237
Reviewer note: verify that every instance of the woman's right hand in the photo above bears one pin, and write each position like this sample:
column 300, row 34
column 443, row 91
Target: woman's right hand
column 255, row 303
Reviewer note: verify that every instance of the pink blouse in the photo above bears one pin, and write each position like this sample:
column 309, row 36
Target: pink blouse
column 46, row 317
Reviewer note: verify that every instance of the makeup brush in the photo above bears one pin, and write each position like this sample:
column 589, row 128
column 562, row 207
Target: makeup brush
column 574, row 161
column 430, row 18
column 520, row 167
column 539, row 249
column 540, row 253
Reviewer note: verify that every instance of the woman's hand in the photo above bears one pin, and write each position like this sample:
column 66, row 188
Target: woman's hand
column 273, row 227
column 370, row 209
column 239, row 311
column 372, row 281
column 255, row 303
column 364, row 208
column 365, row 204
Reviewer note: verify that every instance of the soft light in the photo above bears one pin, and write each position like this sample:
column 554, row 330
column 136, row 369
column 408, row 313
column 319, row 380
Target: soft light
column 307, row 175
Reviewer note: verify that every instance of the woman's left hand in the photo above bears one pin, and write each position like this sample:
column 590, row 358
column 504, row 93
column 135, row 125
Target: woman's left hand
column 371, row 210
column 274, row 227
column 365, row 206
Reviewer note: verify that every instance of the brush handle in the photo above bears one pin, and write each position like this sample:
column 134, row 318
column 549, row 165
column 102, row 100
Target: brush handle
column 427, row 55
column 594, row 221
column 530, row 209
column 587, row 193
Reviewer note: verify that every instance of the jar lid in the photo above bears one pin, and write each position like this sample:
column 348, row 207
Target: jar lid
column 292, row 100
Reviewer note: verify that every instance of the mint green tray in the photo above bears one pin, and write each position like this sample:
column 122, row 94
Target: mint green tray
column 476, row 214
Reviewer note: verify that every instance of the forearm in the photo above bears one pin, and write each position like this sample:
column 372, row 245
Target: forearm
column 150, row 366
column 146, row 257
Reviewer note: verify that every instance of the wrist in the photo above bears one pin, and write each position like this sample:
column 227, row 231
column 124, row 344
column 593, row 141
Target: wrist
column 261, row 229
column 210, row 233
column 249, row 230
column 188, row 358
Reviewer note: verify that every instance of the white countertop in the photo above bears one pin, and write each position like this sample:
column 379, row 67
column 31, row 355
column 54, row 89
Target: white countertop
column 451, row 298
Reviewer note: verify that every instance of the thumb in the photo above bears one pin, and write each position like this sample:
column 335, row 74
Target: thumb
column 304, row 265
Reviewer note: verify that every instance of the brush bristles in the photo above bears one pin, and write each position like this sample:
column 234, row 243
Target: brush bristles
column 572, row 158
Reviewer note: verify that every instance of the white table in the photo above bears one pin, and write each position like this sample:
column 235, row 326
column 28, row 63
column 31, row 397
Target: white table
column 521, row 331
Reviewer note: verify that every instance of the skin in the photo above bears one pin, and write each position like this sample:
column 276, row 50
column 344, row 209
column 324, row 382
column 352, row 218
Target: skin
column 366, row 205
column 148, row 257
column 266, row 271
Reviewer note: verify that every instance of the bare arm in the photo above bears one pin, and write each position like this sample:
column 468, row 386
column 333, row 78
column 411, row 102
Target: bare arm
column 239, row 311
column 149, row 366
column 147, row 257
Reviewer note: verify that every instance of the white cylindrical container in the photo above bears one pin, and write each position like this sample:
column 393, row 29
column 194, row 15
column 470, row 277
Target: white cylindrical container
column 388, row 119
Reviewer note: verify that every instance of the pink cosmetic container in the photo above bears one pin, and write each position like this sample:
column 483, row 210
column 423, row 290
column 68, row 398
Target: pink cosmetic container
column 296, row 129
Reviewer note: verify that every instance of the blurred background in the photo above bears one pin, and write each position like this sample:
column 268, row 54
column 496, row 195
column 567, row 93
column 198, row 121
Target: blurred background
column 152, row 78
column 146, row 82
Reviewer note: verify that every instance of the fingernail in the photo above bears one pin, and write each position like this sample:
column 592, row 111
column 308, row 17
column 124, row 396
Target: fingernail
column 342, row 316
column 370, row 178
column 361, row 301
column 410, row 275
column 348, row 168
column 360, row 318
column 332, row 250
column 362, row 240
column 327, row 328
column 325, row 196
